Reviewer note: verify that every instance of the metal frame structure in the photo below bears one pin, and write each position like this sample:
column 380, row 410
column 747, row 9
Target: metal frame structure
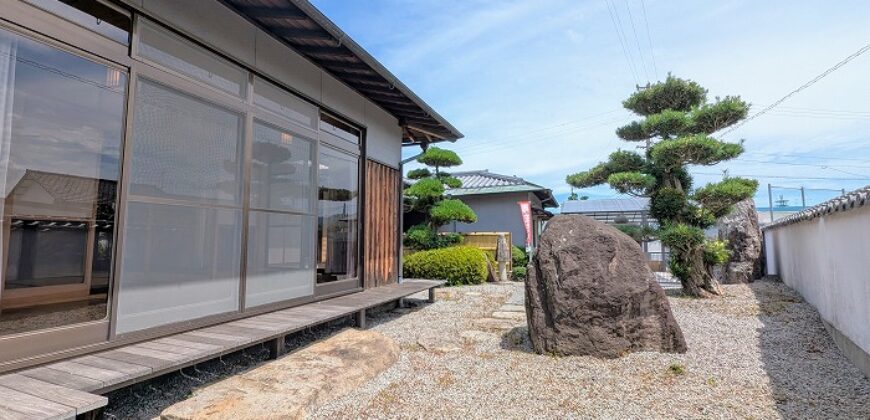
column 30, row 348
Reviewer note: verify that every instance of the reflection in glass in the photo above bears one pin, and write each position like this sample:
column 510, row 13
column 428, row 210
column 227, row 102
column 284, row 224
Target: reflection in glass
column 176, row 53
column 281, row 170
column 283, row 103
column 62, row 124
column 338, row 216
column 92, row 15
column 179, row 263
column 280, row 258
column 184, row 148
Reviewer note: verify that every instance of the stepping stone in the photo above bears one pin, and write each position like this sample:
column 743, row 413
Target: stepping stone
column 513, row 308
column 509, row 315
column 496, row 324
column 472, row 293
column 290, row 386
column 439, row 346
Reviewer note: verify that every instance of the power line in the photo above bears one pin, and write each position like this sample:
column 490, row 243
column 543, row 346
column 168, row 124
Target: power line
column 804, row 156
column 637, row 41
column 813, row 81
column 652, row 54
column 618, row 29
column 741, row 159
column 785, row 177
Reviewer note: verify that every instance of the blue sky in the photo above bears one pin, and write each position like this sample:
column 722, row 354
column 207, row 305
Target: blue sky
column 536, row 85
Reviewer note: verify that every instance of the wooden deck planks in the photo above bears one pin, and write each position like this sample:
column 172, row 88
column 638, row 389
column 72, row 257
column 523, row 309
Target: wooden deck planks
column 61, row 389
column 17, row 404
column 82, row 402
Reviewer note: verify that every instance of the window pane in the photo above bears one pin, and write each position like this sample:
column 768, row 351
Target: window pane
column 285, row 104
column 62, row 118
column 184, row 148
column 280, row 257
column 337, row 218
column 281, row 170
column 170, row 50
column 179, row 263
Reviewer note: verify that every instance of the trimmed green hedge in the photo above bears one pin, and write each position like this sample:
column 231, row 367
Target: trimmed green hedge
column 519, row 274
column 458, row 265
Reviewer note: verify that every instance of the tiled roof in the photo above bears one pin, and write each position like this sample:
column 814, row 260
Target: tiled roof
column 845, row 202
column 607, row 205
column 485, row 182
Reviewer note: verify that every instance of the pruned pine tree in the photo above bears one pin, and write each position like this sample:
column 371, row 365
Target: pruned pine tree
column 426, row 195
column 678, row 125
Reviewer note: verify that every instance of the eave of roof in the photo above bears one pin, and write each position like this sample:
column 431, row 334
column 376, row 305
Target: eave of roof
column 855, row 199
column 309, row 32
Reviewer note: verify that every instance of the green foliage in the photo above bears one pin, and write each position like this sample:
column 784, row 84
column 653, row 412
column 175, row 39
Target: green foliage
column 451, row 182
column 422, row 237
column 716, row 252
column 518, row 274
column 638, row 233
column 667, row 203
column 632, row 183
column 681, row 236
column 697, row 149
column 620, row 161
column 719, row 197
column 633, row 131
column 676, row 369
column 519, row 257
column 595, row 176
column 457, row 265
column 667, row 124
column 429, row 189
column 710, row 118
column 448, row 210
column 439, row 158
column 572, row 197
column 419, row 173
column 674, row 93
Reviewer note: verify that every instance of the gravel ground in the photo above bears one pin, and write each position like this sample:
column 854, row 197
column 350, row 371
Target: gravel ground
column 758, row 352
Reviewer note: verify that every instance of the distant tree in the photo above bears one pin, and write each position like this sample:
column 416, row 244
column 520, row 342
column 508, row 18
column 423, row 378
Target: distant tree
column 584, row 197
column 572, row 196
column 678, row 123
column 426, row 196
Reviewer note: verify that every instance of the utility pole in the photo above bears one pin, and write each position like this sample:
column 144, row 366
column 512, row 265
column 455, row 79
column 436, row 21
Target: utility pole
column 770, row 201
column 803, row 199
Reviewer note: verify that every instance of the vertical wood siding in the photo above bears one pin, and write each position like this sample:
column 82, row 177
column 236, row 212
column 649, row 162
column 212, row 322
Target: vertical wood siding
column 381, row 225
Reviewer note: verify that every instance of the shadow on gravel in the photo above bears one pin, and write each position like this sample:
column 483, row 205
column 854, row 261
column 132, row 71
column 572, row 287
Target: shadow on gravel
column 517, row 339
column 147, row 399
column 809, row 376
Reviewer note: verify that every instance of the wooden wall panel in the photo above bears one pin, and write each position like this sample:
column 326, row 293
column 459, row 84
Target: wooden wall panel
column 381, row 251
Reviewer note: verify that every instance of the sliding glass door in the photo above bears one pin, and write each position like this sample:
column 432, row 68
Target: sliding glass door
column 61, row 132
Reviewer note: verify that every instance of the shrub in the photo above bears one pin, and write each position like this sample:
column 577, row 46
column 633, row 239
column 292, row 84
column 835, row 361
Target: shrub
column 422, row 237
column 519, row 258
column 457, row 265
column 518, row 274
column 716, row 252
column 451, row 209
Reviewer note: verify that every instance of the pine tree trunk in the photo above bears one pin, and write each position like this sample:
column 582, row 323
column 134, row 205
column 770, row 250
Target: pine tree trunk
column 698, row 282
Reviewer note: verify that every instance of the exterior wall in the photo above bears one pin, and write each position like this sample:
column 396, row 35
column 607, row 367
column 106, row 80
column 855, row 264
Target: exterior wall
column 495, row 213
column 825, row 260
column 215, row 25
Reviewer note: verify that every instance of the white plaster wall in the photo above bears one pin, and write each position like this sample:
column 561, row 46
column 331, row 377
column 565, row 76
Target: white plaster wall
column 827, row 260
column 383, row 136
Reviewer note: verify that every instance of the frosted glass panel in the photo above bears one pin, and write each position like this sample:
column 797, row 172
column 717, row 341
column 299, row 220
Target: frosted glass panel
column 282, row 170
column 179, row 263
column 174, row 52
column 184, row 148
column 285, row 104
column 280, row 257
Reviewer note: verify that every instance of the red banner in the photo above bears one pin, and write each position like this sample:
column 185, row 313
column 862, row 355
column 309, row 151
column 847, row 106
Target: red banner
column 526, row 211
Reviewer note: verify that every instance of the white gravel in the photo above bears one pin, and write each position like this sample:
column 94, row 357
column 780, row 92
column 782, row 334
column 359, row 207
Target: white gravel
column 758, row 352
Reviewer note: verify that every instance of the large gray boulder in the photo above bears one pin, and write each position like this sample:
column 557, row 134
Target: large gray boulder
column 589, row 291
column 740, row 228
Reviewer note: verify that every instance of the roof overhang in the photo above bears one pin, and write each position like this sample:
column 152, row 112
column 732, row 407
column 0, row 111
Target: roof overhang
column 298, row 24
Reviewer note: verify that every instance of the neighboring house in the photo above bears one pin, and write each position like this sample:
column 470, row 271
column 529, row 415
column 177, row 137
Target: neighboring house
column 494, row 198
column 168, row 165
